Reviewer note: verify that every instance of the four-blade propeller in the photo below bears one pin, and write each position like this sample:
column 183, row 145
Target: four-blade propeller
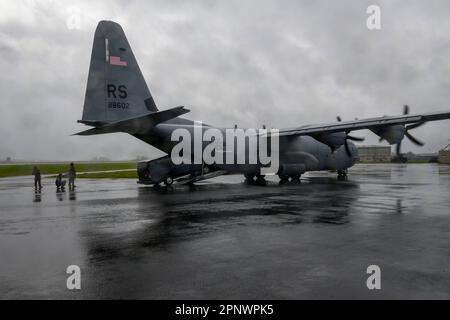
column 407, row 134
column 349, row 137
column 398, row 147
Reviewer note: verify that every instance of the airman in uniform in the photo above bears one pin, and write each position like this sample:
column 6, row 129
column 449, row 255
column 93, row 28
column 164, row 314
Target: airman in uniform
column 72, row 176
column 37, row 177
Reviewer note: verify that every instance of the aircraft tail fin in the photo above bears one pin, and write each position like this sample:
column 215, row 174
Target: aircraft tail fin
column 116, row 89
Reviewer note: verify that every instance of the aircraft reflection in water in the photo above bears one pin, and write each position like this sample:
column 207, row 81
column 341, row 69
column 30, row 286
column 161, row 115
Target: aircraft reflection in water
column 166, row 216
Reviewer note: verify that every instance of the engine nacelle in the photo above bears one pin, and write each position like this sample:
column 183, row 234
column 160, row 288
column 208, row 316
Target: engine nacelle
column 392, row 134
column 333, row 140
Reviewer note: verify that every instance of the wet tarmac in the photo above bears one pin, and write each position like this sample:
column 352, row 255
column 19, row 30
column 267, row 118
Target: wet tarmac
column 224, row 239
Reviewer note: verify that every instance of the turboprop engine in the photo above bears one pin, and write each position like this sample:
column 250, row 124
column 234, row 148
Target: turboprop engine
column 337, row 139
column 395, row 134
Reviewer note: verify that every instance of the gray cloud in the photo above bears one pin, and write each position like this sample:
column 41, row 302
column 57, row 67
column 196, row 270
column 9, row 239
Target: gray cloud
column 280, row 63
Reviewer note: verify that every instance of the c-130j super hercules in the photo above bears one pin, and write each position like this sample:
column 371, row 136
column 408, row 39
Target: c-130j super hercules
column 118, row 100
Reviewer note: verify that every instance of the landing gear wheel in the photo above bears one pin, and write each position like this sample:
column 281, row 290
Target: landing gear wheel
column 249, row 178
column 260, row 179
column 168, row 181
column 295, row 177
column 342, row 174
column 283, row 178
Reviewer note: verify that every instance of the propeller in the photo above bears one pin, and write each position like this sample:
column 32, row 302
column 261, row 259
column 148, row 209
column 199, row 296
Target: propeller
column 349, row 137
column 352, row 138
column 411, row 138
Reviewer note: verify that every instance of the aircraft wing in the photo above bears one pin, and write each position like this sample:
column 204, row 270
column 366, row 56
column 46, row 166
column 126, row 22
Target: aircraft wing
column 369, row 123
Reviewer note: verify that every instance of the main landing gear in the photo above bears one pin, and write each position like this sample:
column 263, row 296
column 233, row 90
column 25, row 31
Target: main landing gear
column 250, row 179
column 284, row 178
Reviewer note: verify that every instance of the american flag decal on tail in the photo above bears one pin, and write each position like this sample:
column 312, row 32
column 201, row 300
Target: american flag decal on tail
column 115, row 61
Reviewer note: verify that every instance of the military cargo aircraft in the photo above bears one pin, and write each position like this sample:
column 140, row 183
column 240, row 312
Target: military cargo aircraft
column 118, row 100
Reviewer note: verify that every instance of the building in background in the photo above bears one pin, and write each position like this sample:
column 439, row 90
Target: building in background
column 374, row 153
column 444, row 155
column 421, row 157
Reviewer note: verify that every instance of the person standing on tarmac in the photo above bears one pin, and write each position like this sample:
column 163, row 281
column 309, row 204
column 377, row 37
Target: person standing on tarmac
column 37, row 177
column 72, row 176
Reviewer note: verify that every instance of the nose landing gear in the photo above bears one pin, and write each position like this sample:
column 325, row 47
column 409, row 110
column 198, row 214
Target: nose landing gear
column 342, row 175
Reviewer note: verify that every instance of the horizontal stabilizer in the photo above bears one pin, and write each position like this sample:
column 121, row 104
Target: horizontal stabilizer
column 137, row 125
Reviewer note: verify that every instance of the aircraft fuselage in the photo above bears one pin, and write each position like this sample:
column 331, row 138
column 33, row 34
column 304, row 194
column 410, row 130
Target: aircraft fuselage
column 296, row 154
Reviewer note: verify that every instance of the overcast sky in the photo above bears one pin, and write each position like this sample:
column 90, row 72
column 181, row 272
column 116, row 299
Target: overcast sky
column 280, row 63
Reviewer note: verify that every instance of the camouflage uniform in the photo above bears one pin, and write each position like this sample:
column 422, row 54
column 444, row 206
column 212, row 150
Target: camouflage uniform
column 37, row 177
column 72, row 176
